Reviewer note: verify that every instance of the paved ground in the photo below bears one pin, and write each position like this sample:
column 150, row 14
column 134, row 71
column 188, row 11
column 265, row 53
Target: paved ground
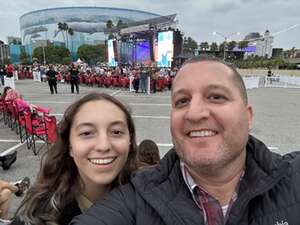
column 276, row 120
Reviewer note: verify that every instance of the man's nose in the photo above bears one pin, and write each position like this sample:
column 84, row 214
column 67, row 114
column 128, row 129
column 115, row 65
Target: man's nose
column 197, row 110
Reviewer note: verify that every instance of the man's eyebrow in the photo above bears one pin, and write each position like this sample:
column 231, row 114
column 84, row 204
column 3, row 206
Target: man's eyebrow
column 217, row 86
column 179, row 91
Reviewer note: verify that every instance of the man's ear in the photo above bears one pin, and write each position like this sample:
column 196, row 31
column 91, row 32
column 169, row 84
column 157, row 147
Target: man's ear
column 250, row 116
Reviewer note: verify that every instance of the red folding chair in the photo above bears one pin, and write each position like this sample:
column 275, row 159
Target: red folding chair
column 2, row 109
column 20, row 107
column 50, row 124
column 39, row 126
column 7, row 112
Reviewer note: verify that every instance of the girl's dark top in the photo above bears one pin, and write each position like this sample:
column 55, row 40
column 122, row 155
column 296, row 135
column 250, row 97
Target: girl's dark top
column 71, row 210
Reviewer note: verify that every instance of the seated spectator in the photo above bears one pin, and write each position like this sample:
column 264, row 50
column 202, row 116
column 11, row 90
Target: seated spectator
column 6, row 191
column 148, row 152
column 5, row 90
column 12, row 94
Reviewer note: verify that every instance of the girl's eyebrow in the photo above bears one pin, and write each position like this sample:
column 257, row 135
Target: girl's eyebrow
column 84, row 124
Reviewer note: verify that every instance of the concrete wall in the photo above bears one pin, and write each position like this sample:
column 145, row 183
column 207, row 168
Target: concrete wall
column 261, row 72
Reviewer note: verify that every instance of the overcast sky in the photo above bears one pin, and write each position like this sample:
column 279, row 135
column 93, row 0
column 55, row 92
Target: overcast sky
column 197, row 18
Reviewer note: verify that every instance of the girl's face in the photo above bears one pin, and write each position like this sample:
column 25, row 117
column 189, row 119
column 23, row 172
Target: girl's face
column 99, row 142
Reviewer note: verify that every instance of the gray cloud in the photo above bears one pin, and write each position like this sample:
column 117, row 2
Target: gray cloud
column 197, row 19
column 224, row 7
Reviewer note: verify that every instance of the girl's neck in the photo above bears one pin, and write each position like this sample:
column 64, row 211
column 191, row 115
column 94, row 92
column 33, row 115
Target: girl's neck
column 94, row 192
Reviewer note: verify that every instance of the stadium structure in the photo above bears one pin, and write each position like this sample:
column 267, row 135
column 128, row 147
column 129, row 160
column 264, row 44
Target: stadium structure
column 88, row 23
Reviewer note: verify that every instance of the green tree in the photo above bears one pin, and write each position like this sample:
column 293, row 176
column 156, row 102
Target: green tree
column 222, row 46
column 92, row 53
column 231, row 45
column 24, row 58
column 204, row 45
column 62, row 27
column 71, row 33
column 243, row 44
column 214, row 47
column 66, row 31
column 109, row 24
column 53, row 54
column 189, row 45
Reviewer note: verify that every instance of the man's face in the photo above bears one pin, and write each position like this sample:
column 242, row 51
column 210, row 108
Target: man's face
column 209, row 120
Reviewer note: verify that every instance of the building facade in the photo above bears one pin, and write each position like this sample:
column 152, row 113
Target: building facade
column 4, row 53
column 264, row 46
column 88, row 24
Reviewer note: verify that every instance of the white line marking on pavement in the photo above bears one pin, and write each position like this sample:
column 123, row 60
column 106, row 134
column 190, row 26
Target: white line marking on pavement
column 149, row 104
column 11, row 149
column 143, row 96
column 9, row 141
column 115, row 93
column 15, row 141
column 137, row 104
column 143, row 117
column 50, row 102
column 164, row 145
column 152, row 117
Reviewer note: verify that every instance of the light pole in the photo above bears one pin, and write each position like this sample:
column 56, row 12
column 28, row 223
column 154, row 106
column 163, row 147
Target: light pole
column 44, row 54
column 226, row 37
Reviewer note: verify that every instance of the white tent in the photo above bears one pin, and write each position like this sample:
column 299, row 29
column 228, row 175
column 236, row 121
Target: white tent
column 79, row 61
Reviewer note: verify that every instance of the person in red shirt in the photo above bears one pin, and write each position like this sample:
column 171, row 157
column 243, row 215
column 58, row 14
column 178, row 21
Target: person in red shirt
column 10, row 70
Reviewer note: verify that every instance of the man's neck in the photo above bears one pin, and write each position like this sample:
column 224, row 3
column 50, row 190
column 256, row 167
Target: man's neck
column 221, row 183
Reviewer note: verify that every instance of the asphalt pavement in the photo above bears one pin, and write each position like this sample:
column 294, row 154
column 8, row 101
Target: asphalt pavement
column 276, row 120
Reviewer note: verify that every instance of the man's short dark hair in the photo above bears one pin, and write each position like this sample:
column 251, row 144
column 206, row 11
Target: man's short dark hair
column 237, row 78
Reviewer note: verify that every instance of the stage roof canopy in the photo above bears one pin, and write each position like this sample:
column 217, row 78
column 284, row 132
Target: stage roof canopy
column 143, row 25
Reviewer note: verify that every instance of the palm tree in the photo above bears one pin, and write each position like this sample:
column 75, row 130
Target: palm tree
column 110, row 25
column 63, row 27
column 71, row 33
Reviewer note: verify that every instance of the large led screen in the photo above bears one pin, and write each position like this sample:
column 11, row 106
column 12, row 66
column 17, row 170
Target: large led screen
column 111, row 55
column 165, row 49
column 142, row 52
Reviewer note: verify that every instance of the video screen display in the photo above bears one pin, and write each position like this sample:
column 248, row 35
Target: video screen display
column 142, row 52
column 165, row 49
column 111, row 55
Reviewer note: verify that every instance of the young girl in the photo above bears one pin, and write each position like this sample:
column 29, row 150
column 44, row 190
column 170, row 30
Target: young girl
column 95, row 152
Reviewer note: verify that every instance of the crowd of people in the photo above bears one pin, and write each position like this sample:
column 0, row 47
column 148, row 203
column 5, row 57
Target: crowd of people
column 216, row 174
column 102, row 76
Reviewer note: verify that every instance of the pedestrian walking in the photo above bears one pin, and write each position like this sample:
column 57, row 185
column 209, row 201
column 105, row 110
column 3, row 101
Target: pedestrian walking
column 51, row 75
column 2, row 74
column 74, row 78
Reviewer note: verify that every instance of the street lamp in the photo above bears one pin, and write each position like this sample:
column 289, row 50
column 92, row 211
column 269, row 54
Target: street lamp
column 226, row 37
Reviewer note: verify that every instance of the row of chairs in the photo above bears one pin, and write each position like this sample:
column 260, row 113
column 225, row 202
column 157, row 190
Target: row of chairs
column 29, row 122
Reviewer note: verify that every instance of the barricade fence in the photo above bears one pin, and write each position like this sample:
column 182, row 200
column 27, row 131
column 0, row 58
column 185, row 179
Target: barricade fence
column 282, row 81
column 278, row 81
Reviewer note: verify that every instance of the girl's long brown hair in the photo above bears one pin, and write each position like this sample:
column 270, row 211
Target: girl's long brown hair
column 58, row 179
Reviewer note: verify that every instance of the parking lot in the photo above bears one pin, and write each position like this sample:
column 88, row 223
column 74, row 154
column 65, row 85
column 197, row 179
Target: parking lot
column 276, row 120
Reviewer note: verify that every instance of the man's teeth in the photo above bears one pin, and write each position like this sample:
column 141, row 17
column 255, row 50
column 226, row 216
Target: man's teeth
column 102, row 161
column 202, row 133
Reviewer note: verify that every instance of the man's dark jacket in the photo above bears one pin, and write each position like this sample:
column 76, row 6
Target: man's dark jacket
column 269, row 194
